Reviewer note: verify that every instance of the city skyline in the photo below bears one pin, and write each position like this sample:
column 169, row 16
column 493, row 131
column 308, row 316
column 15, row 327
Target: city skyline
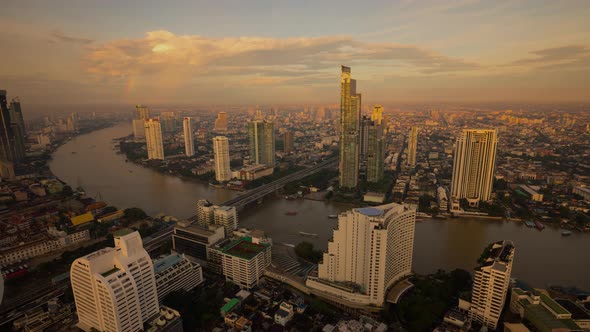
column 497, row 51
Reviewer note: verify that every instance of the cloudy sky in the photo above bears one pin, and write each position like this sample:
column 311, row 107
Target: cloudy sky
column 282, row 52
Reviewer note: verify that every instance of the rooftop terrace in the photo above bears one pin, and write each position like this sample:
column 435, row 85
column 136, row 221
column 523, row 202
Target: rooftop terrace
column 245, row 249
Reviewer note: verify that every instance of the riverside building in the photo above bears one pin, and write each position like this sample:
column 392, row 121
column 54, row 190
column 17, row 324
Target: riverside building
column 370, row 251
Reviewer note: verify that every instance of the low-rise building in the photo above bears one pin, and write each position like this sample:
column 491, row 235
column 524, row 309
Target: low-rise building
column 284, row 314
column 41, row 246
column 242, row 261
column 254, row 172
column 175, row 272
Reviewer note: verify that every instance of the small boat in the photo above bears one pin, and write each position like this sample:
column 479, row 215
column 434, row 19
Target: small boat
column 333, row 216
column 74, row 152
column 565, row 232
column 130, row 171
column 308, row 234
column 291, row 213
column 529, row 223
column 539, row 225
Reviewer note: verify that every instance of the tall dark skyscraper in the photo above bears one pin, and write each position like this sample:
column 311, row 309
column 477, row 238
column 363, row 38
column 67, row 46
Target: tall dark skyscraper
column 12, row 147
column 350, row 116
column 288, row 142
column 262, row 142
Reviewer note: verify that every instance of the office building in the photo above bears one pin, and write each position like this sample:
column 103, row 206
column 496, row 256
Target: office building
column 153, row 139
column 17, row 123
column 175, row 272
column 288, row 145
column 262, row 142
column 473, row 165
column 221, row 156
column 227, row 217
column 350, row 116
column 189, row 142
column 193, row 240
column 243, row 260
column 412, row 145
column 115, row 288
column 141, row 112
column 221, row 122
column 490, row 283
column 11, row 138
column 371, row 250
column 375, row 155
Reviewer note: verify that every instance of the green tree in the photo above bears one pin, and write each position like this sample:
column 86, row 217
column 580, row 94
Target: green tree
column 134, row 214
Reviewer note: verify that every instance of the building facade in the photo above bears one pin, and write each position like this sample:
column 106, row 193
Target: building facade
column 11, row 151
column 288, row 145
column 473, row 165
column 227, row 217
column 194, row 240
column 412, row 145
column 221, row 156
column 153, row 139
column 370, row 251
column 175, row 272
column 350, row 116
column 262, row 142
column 189, row 141
column 375, row 146
column 490, row 283
column 221, row 122
column 115, row 288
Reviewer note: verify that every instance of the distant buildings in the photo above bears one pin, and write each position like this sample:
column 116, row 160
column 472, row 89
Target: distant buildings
column 371, row 250
column 115, row 288
column 350, row 113
column 221, row 122
column 221, row 156
column 262, row 142
column 175, row 272
column 168, row 121
column 490, row 283
column 153, row 139
column 288, row 145
column 473, row 165
column 189, row 141
column 375, row 146
column 412, row 145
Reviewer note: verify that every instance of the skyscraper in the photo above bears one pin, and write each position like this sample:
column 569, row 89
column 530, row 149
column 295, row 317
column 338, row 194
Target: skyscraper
column 8, row 152
column 473, row 165
column 115, row 288
column 371, row 249
column 221, row 122
column 490, row 283
column 221, row 155
column 350, row 113
column 412, row 145
column 261, row 136
column 141, row 114
column 189, row 142
column 375, row 146
column 288, row 141
column 153, row 139
column 18, row 128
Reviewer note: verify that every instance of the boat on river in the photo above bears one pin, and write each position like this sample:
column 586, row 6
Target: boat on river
column 539, row 225
column 565, row 232
column 291, row 213
column 529, row 223
column 333, row 216
column 308, row 234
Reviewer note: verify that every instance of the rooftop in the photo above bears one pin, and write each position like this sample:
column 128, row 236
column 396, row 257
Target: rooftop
column 370, row 211
column 244, row 248
column 230, row 305
column 166, row 262
column 553, row 305
column 109, row 272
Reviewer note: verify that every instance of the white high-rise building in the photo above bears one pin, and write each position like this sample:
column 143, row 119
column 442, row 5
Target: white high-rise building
column 473, row 165
column 153, row 139
column 138, row 128
column 490, row 283
column 221, row 154
column 227, row 217
column 412, row 145
column 205, row 212
column 371, row 250
column 115, row 288
column 189, row 142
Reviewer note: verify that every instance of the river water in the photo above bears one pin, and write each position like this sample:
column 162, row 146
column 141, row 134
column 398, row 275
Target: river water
column 542, row 257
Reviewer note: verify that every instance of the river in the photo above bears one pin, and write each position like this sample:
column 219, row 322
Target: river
column 542, row 257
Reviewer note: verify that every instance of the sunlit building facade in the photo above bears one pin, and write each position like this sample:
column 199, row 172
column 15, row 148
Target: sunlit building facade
column 115, row 288
column 221, row 156
column 375, row 146
column 412, row 145
column 473, row 165
column 350, row 115
column 189, row 141
column 370, row 251
column 153, row 139
column 261, row 136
